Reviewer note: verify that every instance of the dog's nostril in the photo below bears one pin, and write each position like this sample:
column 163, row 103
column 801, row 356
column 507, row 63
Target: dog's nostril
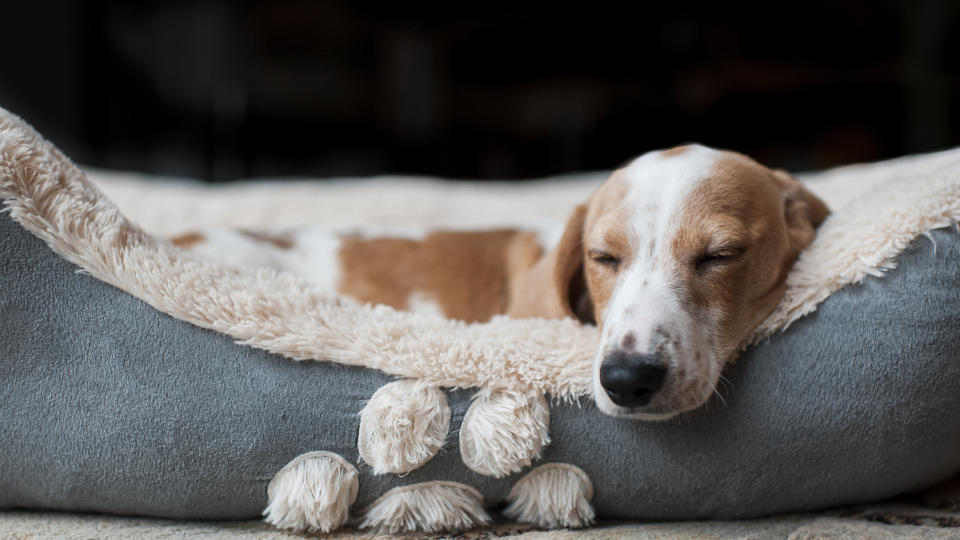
column 631, row 380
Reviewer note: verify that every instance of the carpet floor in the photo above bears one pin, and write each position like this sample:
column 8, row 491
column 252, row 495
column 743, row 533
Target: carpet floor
column 875, row 522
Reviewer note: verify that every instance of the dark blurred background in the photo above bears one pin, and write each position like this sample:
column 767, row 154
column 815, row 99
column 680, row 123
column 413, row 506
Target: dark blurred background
column 225, row 90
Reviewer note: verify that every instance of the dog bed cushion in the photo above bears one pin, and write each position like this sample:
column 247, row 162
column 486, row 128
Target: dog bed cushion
column 110, row 405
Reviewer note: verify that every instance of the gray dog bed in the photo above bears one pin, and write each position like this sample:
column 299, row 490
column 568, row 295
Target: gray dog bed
column 112, row 405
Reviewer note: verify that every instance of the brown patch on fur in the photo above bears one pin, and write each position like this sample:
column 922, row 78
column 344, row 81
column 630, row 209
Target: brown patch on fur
column 280, row 241
column 605, row 229
column 471, row 275
column 566, row 282
column 675, row 151
column 765, row 219
column 535, row 293
column 186, row 241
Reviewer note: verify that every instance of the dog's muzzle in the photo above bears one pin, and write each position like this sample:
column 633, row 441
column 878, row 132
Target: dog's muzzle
column 632, row 379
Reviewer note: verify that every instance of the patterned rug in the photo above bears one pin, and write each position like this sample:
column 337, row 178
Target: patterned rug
column 895, row 520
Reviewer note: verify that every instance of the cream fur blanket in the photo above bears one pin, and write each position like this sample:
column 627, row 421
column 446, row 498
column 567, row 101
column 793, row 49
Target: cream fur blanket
column 879, row 209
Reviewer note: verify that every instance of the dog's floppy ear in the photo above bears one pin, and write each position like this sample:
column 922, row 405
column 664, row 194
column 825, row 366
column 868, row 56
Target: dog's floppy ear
column 802, row 210
column 555, row 286
column 568, row 278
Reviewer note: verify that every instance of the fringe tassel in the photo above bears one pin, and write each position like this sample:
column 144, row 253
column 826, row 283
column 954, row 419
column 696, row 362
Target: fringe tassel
column 403, row 426
column 504, row 431
column 552, row 496
column 431, row 507
column 312, row 493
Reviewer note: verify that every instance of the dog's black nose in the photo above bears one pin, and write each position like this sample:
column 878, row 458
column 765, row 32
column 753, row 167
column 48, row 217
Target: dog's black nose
column 631, row 380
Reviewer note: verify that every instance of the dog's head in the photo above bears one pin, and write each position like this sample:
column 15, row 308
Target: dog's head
column 677, row 257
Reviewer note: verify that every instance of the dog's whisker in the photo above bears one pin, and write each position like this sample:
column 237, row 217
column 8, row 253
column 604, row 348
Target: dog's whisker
column 717, row 393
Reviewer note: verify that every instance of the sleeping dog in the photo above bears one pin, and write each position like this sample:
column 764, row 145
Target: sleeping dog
column 676, row 257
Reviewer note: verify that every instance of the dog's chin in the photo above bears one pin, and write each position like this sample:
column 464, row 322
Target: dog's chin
column 643, row 414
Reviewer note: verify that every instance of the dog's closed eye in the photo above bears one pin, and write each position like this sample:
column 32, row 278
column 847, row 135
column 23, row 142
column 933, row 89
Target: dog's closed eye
column 604, row 258
column 717, row 257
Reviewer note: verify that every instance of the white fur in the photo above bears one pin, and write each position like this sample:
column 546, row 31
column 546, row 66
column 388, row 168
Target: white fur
column 646, row 296
column 403, row 426
column 551, row 496
column 548, row 232
column 312, row 493
column 312, row 256
column 231, row 247
column 504, row 431
column 420, row 302
column 431, row 507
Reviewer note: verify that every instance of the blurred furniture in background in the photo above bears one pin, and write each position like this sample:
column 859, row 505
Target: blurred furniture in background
column 222, row 90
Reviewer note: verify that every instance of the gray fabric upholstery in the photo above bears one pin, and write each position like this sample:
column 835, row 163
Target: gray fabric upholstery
column 108, row 405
